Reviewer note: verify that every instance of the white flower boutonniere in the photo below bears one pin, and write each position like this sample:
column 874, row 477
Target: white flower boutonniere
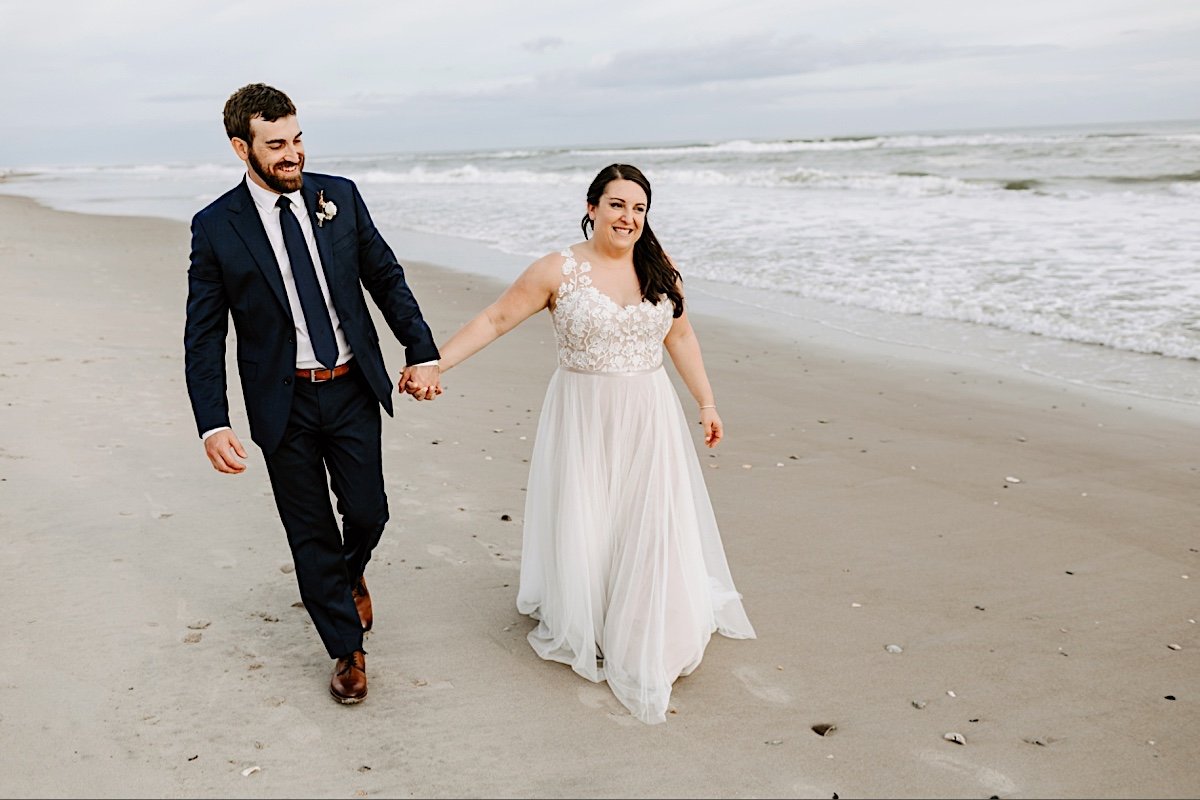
column 326, row 210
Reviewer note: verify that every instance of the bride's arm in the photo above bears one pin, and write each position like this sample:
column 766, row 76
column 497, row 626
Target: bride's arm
column 684, row 348
column 529, row 294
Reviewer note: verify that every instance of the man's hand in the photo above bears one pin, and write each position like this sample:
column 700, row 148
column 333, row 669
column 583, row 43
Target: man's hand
column 224, row 451
column 423, row 383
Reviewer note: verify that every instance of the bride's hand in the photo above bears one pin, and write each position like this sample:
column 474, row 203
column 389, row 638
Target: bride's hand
column 422, row 382
column 710, row 421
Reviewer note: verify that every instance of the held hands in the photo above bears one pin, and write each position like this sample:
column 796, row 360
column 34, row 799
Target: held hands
column 710, row 421
column 225, row 451
column 423, row 383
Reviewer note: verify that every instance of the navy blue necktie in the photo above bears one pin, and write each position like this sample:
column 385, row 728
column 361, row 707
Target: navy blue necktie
column 312, row 302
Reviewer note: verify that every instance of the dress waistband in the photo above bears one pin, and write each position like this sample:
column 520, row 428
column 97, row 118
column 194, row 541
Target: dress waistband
column 625, row 374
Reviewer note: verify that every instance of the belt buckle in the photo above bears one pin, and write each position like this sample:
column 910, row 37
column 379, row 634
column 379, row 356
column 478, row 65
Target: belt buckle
column 312, row 376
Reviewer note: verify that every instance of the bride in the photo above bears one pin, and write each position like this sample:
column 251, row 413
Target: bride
column 622, row 564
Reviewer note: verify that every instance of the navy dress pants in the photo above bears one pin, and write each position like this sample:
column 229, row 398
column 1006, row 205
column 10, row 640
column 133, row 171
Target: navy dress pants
column 332, row 440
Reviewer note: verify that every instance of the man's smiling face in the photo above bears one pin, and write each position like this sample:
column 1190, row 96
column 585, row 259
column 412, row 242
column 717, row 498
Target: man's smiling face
column 275, row 155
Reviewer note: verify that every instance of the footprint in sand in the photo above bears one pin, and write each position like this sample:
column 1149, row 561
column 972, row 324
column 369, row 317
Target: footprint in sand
column 424, row 685
column 155, row 509
column 754, row 683
column 445, row 554
column 989, row 779
column 600, row 698
column 298, row 727
column 499, row 556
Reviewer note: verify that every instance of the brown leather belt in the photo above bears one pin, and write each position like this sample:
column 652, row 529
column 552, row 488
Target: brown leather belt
column 322, row 375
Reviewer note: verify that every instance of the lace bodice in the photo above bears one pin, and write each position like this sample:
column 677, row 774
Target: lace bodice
column 596, row 334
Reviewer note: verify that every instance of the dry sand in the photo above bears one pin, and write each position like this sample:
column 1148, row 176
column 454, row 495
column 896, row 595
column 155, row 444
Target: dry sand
column 152, row 647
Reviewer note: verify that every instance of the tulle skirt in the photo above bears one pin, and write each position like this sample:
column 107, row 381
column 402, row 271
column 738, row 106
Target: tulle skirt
column 622, row 564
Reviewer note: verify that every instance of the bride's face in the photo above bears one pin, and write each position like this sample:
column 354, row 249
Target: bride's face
column 620, row 215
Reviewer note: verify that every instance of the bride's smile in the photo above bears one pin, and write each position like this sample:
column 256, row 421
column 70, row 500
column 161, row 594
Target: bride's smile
column 619, row 216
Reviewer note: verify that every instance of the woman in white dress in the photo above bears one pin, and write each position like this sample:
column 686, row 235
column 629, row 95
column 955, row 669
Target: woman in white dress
column 622, row 564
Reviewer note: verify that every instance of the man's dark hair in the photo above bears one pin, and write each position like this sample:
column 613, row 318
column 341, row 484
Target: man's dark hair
column 254, row 100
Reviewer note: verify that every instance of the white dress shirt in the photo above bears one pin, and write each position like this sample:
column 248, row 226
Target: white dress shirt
column 268, row 212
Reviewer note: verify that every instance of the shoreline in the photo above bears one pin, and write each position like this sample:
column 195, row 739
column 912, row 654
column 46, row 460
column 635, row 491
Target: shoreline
column 1168, row 384
column 153, row 594
column 831, row 326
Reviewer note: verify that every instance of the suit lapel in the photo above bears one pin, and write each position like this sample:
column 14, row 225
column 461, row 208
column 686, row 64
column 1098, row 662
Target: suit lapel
column 243, row 216
column 324, row 246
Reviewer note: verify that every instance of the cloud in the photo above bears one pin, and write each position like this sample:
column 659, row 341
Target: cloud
column 758, row 57
column 476, row 73
column 542, row 44
column 183, row 97
column 738, row 76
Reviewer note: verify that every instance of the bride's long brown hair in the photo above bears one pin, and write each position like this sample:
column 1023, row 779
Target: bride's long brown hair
column 656, row 274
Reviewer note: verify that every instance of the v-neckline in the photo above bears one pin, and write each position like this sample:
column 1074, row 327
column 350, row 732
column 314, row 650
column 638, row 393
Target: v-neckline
column 579, row 265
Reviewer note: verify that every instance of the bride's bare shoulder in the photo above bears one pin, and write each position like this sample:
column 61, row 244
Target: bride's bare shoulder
column 551, row 266
column 545, row 273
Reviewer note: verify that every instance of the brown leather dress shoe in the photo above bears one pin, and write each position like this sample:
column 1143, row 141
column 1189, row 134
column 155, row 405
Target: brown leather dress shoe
column 349, row 682
column 362, row 601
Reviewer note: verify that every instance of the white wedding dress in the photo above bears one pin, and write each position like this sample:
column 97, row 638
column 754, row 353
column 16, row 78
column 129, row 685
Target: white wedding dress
column 621, row 559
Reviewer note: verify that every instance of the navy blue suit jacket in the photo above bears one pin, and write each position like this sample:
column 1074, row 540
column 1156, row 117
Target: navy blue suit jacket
column 234, row 273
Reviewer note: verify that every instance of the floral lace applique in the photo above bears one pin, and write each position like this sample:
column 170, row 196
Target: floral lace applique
column 596, row 334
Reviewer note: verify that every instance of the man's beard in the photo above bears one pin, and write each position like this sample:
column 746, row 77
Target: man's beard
column 278, row 183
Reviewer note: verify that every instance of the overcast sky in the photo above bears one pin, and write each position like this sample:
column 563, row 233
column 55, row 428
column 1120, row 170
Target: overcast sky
column 145, row 80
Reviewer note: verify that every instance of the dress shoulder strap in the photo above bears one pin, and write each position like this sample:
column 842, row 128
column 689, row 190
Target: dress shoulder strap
column 572, row 272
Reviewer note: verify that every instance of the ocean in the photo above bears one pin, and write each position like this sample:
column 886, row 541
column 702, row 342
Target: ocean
column 1069, row 252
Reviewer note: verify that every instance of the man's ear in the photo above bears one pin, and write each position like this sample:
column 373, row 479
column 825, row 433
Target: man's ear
column 241, row 148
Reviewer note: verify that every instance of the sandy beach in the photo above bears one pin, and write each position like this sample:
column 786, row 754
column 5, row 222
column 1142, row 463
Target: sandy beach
column 1032, row 548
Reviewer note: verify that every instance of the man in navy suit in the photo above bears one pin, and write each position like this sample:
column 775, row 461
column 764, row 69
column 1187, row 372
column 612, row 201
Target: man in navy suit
column 287, row 256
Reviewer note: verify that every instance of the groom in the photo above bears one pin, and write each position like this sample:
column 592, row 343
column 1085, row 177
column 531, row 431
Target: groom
column 284, row 254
